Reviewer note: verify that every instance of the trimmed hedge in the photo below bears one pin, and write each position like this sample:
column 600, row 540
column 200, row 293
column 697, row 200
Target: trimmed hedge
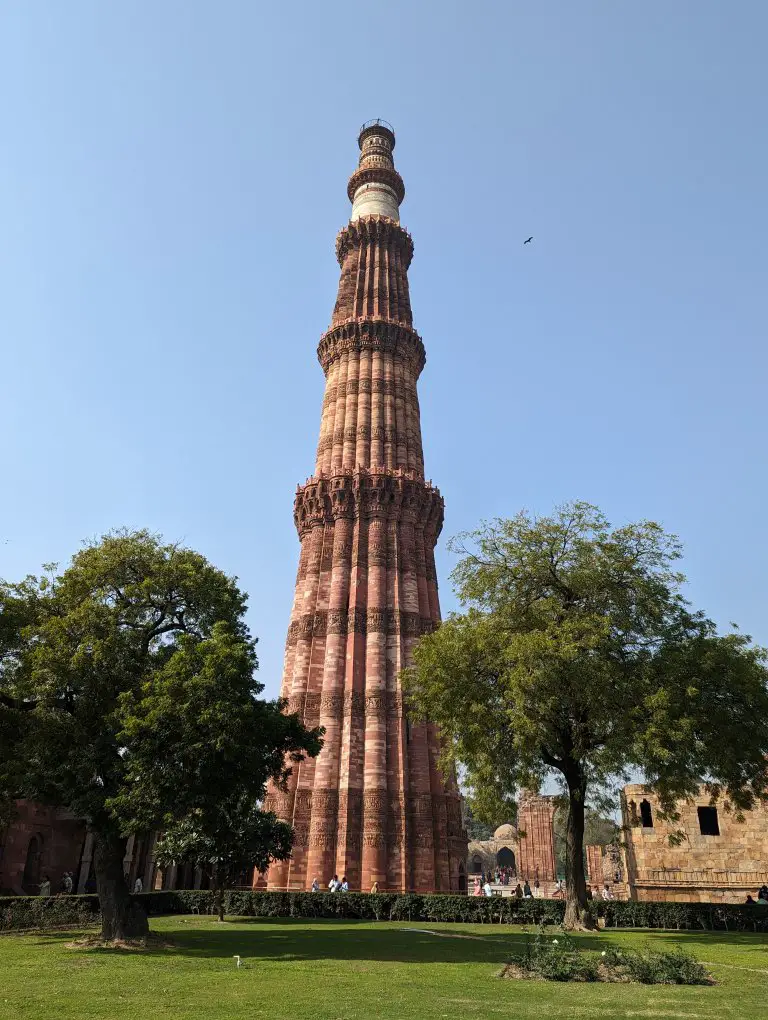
column 685, row 916
column 361, row 906
column 18, row 913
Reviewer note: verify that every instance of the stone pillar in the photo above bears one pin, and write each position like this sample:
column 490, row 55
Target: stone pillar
column 536, row 817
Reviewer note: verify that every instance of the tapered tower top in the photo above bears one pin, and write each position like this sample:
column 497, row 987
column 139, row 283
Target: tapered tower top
column 376, row 188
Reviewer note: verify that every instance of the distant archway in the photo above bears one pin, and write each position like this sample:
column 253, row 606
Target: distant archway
column 30, row 881
column 476, row 865
column 505, row 858
column 462, row 878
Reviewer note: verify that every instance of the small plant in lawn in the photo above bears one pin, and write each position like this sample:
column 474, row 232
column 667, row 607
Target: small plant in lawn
column 559, row 958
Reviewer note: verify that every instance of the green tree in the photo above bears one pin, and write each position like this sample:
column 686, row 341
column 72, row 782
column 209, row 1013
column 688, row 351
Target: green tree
column 236, row 836
column 577, row 656
column 127, row 683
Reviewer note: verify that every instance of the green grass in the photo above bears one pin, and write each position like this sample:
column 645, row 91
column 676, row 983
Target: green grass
column 346, row 970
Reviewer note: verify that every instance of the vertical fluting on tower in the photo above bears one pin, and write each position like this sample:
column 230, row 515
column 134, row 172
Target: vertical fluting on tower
column 373, row 806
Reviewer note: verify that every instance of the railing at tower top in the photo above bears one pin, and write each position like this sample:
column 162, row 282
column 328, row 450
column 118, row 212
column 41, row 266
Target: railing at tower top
column 377, row 122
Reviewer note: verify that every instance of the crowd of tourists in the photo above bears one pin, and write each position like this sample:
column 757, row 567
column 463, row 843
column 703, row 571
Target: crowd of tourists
column 484, row 887
column 337, row 884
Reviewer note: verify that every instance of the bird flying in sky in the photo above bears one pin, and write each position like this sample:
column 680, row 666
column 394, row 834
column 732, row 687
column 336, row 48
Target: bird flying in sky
column 529, row 240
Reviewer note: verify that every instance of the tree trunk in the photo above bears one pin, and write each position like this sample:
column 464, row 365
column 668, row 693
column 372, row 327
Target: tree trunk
column 122, row 917
column 577, row 912
column 218, row 891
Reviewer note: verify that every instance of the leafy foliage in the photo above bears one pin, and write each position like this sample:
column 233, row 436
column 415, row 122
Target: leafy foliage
column 651, row 967
column 577, row 656
column 227, row 840
column 559, row 958
column 127, row 685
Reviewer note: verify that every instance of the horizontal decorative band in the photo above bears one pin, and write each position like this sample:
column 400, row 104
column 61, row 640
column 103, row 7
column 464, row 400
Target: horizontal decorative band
column 365, row 495
column 357, row 335
column 352, row 387
column 359, row 621
column 381, row 174
column 377, row 229
column 337, row 704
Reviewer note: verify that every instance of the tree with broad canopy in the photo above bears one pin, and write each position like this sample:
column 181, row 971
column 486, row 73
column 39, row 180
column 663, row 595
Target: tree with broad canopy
column 577, row 656
column 127, row 695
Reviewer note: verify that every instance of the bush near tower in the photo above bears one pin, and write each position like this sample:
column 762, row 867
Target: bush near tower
column 127, row 695
column 578, row 657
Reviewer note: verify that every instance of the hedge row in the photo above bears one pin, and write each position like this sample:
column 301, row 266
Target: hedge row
column 20, row 912
column 685, row 916
column 24, row 912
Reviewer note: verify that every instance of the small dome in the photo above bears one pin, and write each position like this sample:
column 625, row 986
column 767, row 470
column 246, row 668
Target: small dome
column 505, row 831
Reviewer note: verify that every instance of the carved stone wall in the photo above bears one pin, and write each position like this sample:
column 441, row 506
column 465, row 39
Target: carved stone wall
column 373, row 805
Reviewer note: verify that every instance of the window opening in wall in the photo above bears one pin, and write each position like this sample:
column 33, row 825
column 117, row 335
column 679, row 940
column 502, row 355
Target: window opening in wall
column 646, row 816
column 708, row 824
column 477, row 865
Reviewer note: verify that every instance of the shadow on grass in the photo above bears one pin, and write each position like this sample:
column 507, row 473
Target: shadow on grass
column 284, row 939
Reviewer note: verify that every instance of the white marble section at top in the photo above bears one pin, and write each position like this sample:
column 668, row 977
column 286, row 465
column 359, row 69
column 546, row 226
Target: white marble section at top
column 375, row 200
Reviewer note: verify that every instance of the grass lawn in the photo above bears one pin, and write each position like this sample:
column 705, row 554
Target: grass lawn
column 346, row 970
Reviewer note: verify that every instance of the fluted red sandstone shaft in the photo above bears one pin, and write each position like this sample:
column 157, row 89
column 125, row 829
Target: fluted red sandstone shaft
column 373, row 805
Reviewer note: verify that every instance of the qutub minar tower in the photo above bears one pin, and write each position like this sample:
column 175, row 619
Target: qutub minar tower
column 373, row 805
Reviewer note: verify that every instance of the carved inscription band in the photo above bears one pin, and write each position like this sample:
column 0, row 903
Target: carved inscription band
column 359, row 621
column 335, row 704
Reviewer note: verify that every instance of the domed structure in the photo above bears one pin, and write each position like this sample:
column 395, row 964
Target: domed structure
column 505, row 832
column 521, row 854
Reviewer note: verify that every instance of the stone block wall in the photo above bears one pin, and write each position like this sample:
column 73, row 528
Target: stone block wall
column 718, row 859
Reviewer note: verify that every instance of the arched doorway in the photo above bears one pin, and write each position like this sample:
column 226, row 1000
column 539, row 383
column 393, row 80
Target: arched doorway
column 462, row 878
column 505, row 858
column 30, row 881
column 476, row 865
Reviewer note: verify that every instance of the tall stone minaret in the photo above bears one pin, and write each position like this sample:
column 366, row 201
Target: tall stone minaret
column 373, row 805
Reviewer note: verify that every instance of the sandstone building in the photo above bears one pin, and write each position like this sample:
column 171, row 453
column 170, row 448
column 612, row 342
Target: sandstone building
column 718, row 859
column 372, row 806
column 526, row 849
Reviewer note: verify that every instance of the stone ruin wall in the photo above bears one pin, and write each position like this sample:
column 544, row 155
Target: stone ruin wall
column 706, row 868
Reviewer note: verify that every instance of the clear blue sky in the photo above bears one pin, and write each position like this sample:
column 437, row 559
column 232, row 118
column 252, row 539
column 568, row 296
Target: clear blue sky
column 172, row 178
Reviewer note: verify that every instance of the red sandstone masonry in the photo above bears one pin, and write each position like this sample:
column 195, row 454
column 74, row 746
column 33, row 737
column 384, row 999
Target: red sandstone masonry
column 373, row 805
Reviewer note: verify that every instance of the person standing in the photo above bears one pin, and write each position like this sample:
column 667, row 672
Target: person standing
column 344, row 884
column 45, row 886
column 374, row 888
column 487, row 888
column 315, row 885
column 334, row 884
column 527, row 894
column 138, row 886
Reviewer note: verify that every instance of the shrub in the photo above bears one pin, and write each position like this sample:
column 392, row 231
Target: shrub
column 560, row 959
column 556, row 959
column 650, row 967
